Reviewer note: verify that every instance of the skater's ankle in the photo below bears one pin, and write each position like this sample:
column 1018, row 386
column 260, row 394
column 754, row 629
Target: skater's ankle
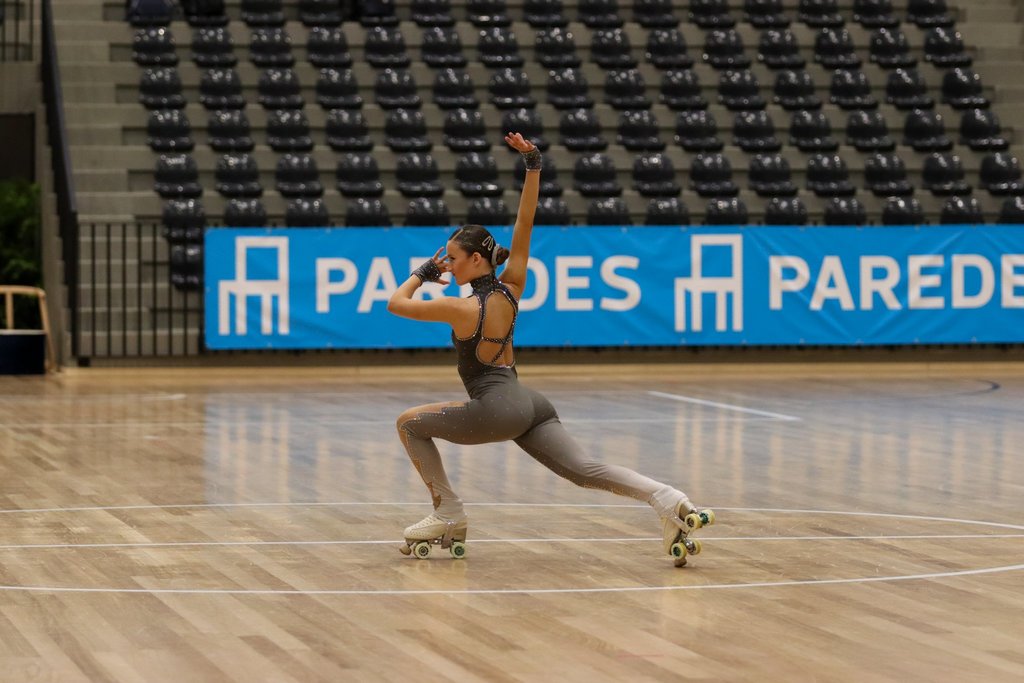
column 450, row 513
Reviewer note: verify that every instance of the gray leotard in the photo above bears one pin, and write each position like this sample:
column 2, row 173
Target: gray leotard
column 502, row 409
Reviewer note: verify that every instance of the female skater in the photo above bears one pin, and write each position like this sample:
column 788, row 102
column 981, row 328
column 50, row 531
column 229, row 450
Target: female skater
column 500, row 408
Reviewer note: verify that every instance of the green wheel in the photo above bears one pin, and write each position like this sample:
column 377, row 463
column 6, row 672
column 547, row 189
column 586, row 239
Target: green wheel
column 458, row 550
column 421, row 550
column 708, row 516
column 678, row 550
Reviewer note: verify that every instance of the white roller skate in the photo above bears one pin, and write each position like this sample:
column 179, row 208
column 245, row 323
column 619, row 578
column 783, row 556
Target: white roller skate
column 679, row 526
column 435, row 530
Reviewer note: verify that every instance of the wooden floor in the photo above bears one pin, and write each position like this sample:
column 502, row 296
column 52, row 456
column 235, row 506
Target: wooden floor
column 242, row 525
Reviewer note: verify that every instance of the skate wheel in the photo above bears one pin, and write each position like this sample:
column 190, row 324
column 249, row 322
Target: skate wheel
column 421, row 550
column 693, row 520
column 405, row 549
column 693, row 547
column 677, row 551
column 708, row 516
column 458, row 550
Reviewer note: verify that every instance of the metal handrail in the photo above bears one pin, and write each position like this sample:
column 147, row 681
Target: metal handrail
column 64, row 186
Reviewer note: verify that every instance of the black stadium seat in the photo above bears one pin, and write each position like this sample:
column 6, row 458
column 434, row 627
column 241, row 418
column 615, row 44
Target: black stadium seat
column 711, row 176
column 227, row 130
column 328, row 47
column 594, row 175
column 726, row 211
column 306, row 212
column 338, row 89
column 417, row 175
column 358, row 175
column 177, row 177
column 580, row 131
column 608, row 211
column 596, row 14
column 245, row 213
column 488, row 211
column 885, row 175
column 221, row 89
column 427, row 211
column 769, row 175
column 667, row 211
column 297, row 176
column 764, row 14
column 427, row 13
column 654, row 176
column 238, row 176
column 555, row 48
column 271, row 47
column 405, row 130
column 153, row 46
column 844, row 211
column 785, row 211
column 168, row 130
column 363, row 212
column 476, row 175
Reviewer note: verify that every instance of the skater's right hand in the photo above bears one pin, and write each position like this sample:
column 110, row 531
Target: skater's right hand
column 520, row 144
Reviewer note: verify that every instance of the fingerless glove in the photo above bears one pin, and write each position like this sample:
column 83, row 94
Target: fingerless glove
column 532, row 159
column 428, row 272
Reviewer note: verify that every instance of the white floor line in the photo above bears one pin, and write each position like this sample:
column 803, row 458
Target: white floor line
column 518, row 591
column 473, row 541
column 724, row 406
column 332, row 422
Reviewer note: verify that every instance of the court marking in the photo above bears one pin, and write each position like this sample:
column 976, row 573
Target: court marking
column 328, row 422
column 624, row 539
column 724, row 406
column 527, row 591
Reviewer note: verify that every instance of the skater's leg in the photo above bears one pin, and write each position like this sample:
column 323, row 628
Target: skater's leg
column 415, row 432
column 552, row 445
column 471, row 422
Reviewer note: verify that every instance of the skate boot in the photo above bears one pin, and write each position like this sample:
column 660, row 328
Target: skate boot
column 435, row 530
column 679, row 526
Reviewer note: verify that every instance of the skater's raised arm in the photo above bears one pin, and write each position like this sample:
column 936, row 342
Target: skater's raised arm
column 444, row 309
column 514, row 275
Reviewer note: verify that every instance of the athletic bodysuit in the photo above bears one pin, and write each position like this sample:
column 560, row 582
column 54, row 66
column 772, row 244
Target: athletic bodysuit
column 502, row 409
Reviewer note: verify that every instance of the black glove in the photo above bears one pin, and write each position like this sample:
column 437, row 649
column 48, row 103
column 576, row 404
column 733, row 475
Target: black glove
column 428, row 272
column 532, row 159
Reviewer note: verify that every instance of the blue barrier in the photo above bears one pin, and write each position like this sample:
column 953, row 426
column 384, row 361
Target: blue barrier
column 302, row 288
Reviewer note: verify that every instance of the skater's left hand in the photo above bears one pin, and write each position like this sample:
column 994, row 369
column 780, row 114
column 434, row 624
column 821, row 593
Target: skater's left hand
column 441, row 261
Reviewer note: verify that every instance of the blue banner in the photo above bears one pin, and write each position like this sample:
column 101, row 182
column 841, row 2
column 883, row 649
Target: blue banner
column 302, row 288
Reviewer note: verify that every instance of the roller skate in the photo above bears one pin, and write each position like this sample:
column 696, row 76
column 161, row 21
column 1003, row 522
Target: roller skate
column 679, row 526
column 435, row 530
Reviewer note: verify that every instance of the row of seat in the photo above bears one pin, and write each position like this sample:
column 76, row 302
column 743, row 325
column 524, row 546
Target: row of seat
column 680, row 90
column 593, row 13
column 594, row 175
column 555, row 48
column 464, row 130
column 185, row 221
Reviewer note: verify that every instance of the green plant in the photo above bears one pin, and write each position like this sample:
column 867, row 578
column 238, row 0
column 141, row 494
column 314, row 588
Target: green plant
column 20, row 253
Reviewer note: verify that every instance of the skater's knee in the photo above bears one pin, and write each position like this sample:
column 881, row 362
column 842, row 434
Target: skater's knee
column 405, row 421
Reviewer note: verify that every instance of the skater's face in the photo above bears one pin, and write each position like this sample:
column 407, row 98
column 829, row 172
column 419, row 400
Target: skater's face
column 464, row 266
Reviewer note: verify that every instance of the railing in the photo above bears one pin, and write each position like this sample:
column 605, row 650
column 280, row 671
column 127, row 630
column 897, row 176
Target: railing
column 64, row 187
column 17, row 30
column 128, row 306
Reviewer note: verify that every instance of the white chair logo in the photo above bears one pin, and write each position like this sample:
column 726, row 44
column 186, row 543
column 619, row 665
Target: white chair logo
column 242, row 288
column 697, row 285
